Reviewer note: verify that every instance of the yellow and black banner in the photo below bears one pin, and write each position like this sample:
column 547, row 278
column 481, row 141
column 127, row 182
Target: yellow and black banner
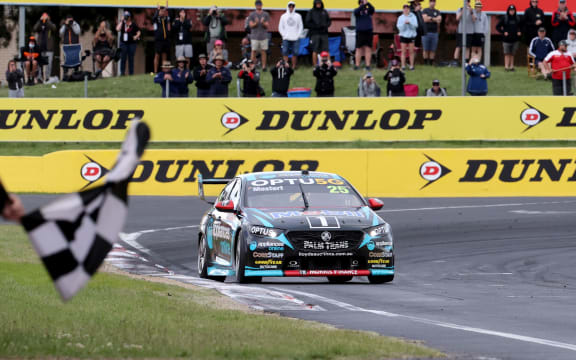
column 273, row 120
column 386, row 173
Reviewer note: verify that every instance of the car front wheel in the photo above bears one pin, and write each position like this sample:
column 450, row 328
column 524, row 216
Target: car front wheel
column 240, row 263
column 203, row 259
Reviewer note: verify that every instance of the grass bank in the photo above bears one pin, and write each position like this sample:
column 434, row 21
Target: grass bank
column 119, row 317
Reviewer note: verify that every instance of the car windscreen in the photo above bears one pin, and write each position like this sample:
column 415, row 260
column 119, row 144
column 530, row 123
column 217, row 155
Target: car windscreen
column 287, row 193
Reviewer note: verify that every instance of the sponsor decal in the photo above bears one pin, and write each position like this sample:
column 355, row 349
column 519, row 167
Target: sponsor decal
column 326, row 236
column 232, row 120
column 312, row 245
column 326, row 272
column 371, row 246
column 323, row 222
column 303, row 181
column 432, row 171
column 532, row 117
column 268, row 262
column 324, row 253
column 225, row 248
column 289, row 214
column 517, row 170
column 381, row 244
column 267, row 255
column 92, row 171
column 379, row 261
column 253, row 245
column 379, row 255
column 267, row 188
column 270, row 245
column 221, row 232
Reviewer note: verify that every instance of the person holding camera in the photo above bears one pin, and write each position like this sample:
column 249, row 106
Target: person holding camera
column 364, row 33
column 281, row 75
column 219, row 78
column 200, row 74
column 103, row 45
column 259, row 21
column 15, row 79
column 324, row 74
column 396, row 79
column 129, row 34
column 70, row 31
column 162, row 29
column 215, row 23
column 477, row 82
column 30, row 54
column 368, row 87
column 45, row 31
column 182, row 29
column 250, row 78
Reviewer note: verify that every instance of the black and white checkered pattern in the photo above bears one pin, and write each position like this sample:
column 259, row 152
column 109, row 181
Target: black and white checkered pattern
column 74, row 234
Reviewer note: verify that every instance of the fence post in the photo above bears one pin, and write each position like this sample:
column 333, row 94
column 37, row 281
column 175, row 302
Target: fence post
column 167, row 88
column 564, row 87
column 85, row 85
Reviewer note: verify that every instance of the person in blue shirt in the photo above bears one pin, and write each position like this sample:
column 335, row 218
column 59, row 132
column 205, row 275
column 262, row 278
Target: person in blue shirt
column 407, row 25
column 219, row 77
column 167, row 76
column 541, row 46
column 477, row 84
column 182, row 77
column 364, row 33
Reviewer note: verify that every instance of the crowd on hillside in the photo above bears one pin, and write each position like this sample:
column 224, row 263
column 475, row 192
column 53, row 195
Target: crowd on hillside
column 417, row 28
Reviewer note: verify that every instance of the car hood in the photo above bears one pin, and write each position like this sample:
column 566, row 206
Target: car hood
column 314, row 219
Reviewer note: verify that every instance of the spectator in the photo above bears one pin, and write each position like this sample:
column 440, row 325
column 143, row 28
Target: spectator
column 468, row 30
column 432, row 19
column 416, row 9
column 364, row 33
column 481, row 28
column 129, row 34
column 477, row 83
column 182, row 77
column 30, row 55
column 562, row 21
column 15, row 79
column 539, row 48
column 45, row 34
column 509, row 26
column 219, row 78
column 561, row 64
column 70, row 31
column 219, row 51
column 103, row 45
column 245, row 45
column 162, row 30
column 368, row 87
column 571, row 41
column 318, row 22
column 250, row 78
column 200, row 74
column 533, row 21
column 436, row 90
column 281, row 75
column 259, row 21
column 215, row 23
column 290, row 29
column 182, row 29
column 166, row 78
column 396, row 79
column 407, row 25
column 324, row 74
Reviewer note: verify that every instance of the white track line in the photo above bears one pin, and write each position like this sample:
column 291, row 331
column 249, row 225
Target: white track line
column 476, row 206
column 512, row 336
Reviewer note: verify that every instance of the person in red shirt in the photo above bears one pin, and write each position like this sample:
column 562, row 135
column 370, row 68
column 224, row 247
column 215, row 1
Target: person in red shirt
column 561, row 64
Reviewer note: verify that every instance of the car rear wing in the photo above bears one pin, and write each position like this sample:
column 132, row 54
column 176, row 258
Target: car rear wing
column 202, row 181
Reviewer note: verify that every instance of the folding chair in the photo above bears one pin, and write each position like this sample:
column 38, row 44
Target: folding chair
column 531, row 65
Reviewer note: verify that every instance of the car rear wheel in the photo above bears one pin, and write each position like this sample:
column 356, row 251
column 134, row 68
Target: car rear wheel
column 380, row 279
column 339, row 279
column 240, row 263
column 203, row 259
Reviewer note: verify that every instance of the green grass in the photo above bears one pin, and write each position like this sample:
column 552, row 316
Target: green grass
column 501, row 83
column 119, row 317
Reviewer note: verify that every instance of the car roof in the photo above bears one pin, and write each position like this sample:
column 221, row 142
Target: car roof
column 288, row 174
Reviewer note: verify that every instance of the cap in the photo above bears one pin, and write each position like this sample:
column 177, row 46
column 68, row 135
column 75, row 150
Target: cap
column 218, row 57
column 394, row 62
column 127, row 13
column 563, row 42
column 167, row 65
column 202, row 56
column 478, row 4
column 324, row 54
column 511, row 7
column 218, row 42
column 181, row 59
column 258, row 2
column 436, row 82
column 32, row 38
column 406, row 6
column 562, row 1
column 571, row 31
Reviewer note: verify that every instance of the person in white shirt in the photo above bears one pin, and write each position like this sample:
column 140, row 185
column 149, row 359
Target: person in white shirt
column 571, row 42
column 290, row 28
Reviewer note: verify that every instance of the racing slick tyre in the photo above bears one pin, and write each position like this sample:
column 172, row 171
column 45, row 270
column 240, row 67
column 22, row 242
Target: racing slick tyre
column 380, row 279
column 203, row 256
column 339, row 279
column 240, row 262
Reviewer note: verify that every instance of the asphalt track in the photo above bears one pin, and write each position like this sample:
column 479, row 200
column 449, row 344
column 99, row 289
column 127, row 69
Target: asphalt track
column 479, row 278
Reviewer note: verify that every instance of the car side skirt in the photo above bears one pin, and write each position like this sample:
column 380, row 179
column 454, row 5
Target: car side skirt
column 312, row 273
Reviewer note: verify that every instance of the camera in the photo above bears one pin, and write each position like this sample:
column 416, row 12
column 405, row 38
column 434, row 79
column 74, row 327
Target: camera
column 70, row 22
column 126, row 17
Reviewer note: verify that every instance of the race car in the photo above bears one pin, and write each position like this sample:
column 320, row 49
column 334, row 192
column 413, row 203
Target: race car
column 293, row 224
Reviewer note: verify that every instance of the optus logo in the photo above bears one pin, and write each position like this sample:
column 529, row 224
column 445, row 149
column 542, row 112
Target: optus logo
column 432, row 171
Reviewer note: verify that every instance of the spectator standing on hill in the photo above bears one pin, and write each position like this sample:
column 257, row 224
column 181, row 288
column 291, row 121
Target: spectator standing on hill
column 533, row 21
column 30, row 54
column 324, row 74
column 200, row 74
column 509, row 26
column 396, row 79
column 182, row 77
column 436, row 90
column 562, row 21
column 166, row 78
column 290, row 28
column 162, row 29
column 561, row 63
column 70, row 31
column 407, row 25
column 481, row 28
column 129, row 34
column 432, row 20
column 468, row 29
column 215, row 23
column 364, row 33
column 250, row 79
column 182, row 29
column 477, row 82
column 416, row 9
column 571, row 42
column 318, row 22
column 539, row 48
column 281, row 75
column 46, row 35
column 219, row 78
column 259, row 22
column 15, row 79
column 368, row 87
column 219, row 51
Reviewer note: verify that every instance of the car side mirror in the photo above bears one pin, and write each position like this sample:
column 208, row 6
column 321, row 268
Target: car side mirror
column 225, row 206
column 375, row 204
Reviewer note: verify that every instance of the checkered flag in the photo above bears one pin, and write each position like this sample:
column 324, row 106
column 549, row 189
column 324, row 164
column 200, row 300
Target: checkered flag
column 74, row 234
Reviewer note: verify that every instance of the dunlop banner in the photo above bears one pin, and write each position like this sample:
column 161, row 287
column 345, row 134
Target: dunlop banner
column 386, row 173
column 315, row 119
